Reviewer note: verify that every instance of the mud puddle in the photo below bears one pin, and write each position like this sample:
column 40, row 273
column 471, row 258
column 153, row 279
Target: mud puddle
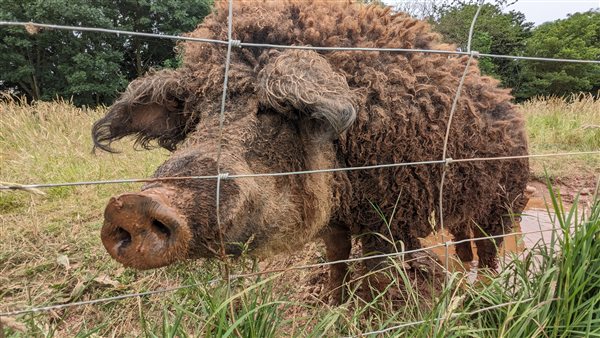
column 537, row 227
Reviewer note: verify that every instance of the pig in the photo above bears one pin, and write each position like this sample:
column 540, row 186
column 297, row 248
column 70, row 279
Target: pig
column 291, row 110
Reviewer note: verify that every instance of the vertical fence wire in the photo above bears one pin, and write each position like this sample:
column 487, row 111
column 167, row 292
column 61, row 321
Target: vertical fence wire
column 446, row 160
column 221, row 175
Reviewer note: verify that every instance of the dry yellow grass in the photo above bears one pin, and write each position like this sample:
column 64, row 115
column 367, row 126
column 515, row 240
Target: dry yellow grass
column 50, row 251
column 564, row 125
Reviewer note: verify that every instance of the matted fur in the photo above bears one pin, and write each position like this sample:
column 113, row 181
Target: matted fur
column 403, row 103
column 282, row 108
column 303, row 81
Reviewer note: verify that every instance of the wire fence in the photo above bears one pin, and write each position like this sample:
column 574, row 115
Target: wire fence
column 267, row 272
column 17, row 186
column 237, row 43
column 230, row 43
column 450, row 316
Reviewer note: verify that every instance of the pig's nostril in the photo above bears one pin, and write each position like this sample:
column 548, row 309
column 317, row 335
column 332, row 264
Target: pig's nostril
column 142, row 231
column 161, row 228
column 123, row 237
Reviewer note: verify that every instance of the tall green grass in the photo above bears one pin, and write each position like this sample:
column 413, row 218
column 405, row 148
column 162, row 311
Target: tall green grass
column 553, row 290
column 560, row 124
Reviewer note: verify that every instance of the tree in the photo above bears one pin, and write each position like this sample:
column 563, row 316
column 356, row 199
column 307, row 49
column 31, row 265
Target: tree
column 44, row 64
column 577, row 37
column 89, row 67
column 171, row 17
column 495, row 33
column 432, row 10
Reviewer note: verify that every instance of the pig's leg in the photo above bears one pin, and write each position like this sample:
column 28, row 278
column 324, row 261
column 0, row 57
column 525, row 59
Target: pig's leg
column 423, row 260
column 374, row 244
column 378, row 277
column 463, row 250
column 487, row 249
column 338, row 244
column 499, row 222
column 383, row 271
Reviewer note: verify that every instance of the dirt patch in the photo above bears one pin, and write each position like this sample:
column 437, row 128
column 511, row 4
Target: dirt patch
column 569, row 188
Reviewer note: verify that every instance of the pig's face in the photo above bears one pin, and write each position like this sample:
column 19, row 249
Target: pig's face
column 296, row 107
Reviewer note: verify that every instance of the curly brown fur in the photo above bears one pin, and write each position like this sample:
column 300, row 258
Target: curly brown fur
column 403, row 103
column 394, row 107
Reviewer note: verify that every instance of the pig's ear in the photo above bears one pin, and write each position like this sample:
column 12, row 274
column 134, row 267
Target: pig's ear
column 302, row 85
column 151, row 108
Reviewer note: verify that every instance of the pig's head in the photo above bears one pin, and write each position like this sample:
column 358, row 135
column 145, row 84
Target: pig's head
column 286, row 117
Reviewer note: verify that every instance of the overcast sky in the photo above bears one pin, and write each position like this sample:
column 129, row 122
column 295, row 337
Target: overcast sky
column 539, row 11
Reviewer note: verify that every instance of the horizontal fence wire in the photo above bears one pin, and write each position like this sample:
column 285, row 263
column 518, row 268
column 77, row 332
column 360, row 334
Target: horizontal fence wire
column 110, row 31
column 275, row 46
column 18, row 186
column 264, row 272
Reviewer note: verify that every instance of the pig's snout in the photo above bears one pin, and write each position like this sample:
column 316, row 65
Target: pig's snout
column 142, row 231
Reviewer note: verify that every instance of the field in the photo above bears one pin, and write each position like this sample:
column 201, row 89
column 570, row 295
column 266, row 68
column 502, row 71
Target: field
column 50, row 251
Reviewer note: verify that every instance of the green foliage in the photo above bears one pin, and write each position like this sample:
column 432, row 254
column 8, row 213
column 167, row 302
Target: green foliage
column 44, row 64
column 577, row 37
column 431, row 10
column 91, row 68
column 495, row 33
column 171, row 17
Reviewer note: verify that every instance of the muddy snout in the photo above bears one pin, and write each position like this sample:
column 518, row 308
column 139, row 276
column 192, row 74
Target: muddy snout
column 142, row 231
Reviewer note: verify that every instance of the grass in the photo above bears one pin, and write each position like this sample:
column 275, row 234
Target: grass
column 50, row 253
